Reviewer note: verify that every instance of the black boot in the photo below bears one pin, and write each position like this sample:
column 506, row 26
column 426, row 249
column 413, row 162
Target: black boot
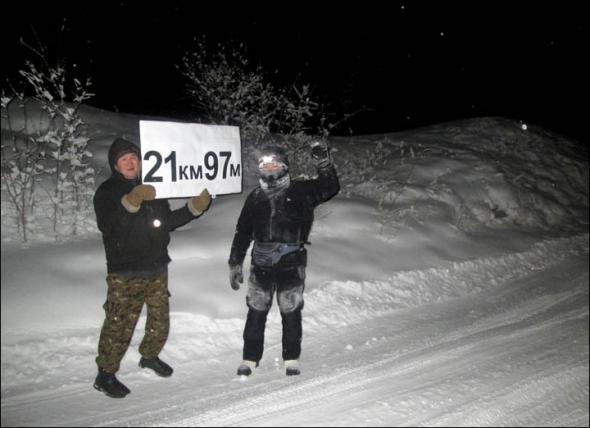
column 292, row 367
column 108, row 383
column 157, row 365
column 245, row 369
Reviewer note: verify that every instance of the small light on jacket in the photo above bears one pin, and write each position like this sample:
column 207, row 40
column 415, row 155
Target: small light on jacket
column 157, row 223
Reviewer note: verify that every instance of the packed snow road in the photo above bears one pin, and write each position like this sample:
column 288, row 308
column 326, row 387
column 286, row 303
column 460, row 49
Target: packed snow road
column 512, row 353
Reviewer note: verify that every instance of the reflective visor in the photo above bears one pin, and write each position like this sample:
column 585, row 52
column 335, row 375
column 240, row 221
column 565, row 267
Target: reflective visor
column 269, row 159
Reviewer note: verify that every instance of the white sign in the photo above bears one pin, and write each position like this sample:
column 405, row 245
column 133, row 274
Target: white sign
column 182, row 159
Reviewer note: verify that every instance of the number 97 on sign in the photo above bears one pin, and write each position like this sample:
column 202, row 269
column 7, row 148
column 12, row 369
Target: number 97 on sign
column 214, row 166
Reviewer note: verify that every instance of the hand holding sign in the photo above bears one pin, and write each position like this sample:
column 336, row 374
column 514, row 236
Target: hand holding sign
column 180, row 159
column 200, row 203
column 140, row 193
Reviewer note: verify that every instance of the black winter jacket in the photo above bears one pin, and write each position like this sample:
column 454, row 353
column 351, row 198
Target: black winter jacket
column 133, row 242
column 289, row 222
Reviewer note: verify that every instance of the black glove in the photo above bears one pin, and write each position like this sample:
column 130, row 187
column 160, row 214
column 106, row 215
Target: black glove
column 320, row 154
column 235, row 276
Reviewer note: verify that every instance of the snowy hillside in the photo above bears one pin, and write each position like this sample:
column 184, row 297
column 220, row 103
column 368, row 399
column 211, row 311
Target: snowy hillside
column 447, row 285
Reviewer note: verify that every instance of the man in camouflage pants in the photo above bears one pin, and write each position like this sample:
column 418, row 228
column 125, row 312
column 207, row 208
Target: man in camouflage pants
column 136, row 231
column 125, row 299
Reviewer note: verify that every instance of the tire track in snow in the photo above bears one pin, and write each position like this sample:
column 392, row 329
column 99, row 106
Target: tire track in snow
column 528, row 403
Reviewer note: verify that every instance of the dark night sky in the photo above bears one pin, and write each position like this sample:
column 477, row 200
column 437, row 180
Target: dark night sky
column 410, row 64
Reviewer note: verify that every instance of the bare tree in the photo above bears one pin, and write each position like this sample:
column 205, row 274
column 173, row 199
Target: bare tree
column 22, row 164
column 57, row 149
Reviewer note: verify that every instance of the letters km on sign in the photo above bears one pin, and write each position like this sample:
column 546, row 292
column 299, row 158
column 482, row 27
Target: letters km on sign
column 182, row 159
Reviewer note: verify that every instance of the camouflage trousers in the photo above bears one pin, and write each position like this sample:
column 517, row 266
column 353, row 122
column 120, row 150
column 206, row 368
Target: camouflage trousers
column 125, row 300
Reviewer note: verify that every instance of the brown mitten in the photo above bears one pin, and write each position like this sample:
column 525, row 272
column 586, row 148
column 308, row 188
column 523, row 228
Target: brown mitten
column 199, row 204
column 140, row 193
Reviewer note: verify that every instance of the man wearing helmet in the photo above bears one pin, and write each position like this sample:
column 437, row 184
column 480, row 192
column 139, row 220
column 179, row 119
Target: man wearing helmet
column 278, row 216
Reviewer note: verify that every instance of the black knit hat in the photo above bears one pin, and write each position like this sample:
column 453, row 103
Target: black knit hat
column 119, row 148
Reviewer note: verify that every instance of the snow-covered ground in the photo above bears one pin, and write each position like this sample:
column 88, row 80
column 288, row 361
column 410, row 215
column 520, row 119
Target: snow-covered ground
column 447, row 285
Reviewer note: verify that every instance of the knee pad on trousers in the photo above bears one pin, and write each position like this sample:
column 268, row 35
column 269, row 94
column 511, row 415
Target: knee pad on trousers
column 290, row 300
column 259, row 299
